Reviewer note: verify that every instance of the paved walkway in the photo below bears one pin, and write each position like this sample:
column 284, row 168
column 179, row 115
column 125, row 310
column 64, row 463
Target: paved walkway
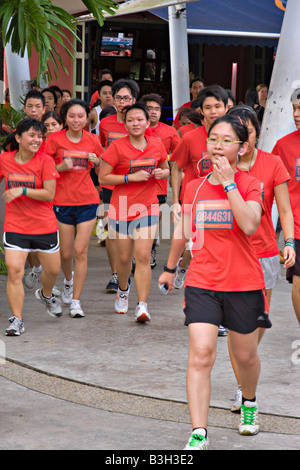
column 106, row 382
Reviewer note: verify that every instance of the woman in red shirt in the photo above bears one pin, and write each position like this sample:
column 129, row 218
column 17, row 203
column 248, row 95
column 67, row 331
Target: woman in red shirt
column 75, row 152
column 224, row 282
column 30, row 223
column 133, row 164
column 273, row 177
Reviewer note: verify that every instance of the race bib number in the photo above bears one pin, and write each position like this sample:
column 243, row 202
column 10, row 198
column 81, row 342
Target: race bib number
column 114, row 136
column 147, row 164
column 15, row 180
column 213, row 214
column 297, row 169
column 205, row 163
column 79, row 159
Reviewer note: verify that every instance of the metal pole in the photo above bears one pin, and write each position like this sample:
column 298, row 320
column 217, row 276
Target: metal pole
column 278, row 118
column 179, row 56
column 18, row 76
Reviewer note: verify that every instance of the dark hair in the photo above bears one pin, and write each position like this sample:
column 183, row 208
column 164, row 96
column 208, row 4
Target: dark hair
column 50, row 90
column 191, row 114
column 230, row 96
column 52, row 114
column 137, row 105
column 152, row 97
column 104, row 72
column 66, row 91
column 104, row 83
column 251, row 97
column 237, row 125
column 108, row 111
column 215, row 91
column 23, row 126
column 246, row 113
column 56, row 88
column 73, row 102
column 196, row 79
column 34, row 93
column 131, row 85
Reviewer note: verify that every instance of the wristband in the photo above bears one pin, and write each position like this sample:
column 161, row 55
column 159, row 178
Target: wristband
column 24, row 191
column 226, row 183
column 230, row 187
column 126, row 178
column 290, row 244
column 290, row 240
column 169, row 270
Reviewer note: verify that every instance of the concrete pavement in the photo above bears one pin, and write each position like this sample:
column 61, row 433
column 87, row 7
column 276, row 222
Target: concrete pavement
column 105, row 382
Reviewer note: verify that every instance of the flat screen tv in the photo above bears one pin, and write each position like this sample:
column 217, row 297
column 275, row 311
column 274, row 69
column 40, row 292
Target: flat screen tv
column 116, row 44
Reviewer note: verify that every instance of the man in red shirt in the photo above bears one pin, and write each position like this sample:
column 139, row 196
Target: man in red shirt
column 288, row 149
column 196, row 86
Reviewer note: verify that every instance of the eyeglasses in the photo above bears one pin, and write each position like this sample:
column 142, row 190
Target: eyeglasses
column 224, row 143
column 126, row 99
column 152, row 108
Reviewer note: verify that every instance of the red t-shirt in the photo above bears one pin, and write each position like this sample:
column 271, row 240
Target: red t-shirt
column 75, row 187
column 271, row 172
column 176, row 122
column 224, row 258
column 191, row 156
column 138, row 199
column 288, row 148
column 187, row 128
column 23, row 214
column 170, row 138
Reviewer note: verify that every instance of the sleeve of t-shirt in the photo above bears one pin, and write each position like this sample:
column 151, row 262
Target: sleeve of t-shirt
column 111, row 154
column 180, row 154
column 49, row 172
column 163, row 153
column 98, row 147
column 50, row 147
column 275, row 150
column 281, row 175
column 254, row 192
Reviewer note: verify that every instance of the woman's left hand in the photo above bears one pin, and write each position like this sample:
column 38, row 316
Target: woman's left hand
column 12, row 194
column 223, row 170
column 158, row 173
column 94, row 159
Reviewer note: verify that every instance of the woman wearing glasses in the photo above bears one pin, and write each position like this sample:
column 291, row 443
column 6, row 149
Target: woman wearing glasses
column 273, row 176
column 224, row 283
column 134, row 164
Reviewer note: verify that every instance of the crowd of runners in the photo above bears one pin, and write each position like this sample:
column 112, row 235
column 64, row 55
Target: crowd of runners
column 71, row 167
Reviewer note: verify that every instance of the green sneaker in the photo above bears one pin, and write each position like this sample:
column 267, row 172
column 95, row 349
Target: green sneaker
column 197, row 441
column 249, row 419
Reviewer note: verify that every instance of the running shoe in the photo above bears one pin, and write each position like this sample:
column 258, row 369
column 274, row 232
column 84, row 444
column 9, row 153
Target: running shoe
column 75, row 309
column 197, row 441
column 179, row 276
column 56, row 291
column 67, row 294
column 237, row 401
column 53, row 306
column 113, row 284
column 153, row 259
column 249, row 425
column 121, row 302
column 16, row 327
column 141, row 313
column 222, row 331
column 32, row 278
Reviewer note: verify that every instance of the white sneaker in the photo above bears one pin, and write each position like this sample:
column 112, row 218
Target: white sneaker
column 32, row 278
column 75, row 309
column 141, row 312
column 56, row 291
column 237, row 401
column 179, row 276
column 53, row 306
column 16, row 327
column 197, row 441
column 249, row 425
column 121, row 302
column 67, row 294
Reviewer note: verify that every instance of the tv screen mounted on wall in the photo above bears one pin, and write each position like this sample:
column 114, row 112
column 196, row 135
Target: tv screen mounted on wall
column 116, row 44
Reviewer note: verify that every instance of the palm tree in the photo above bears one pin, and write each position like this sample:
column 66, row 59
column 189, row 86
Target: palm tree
column 41, row 25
